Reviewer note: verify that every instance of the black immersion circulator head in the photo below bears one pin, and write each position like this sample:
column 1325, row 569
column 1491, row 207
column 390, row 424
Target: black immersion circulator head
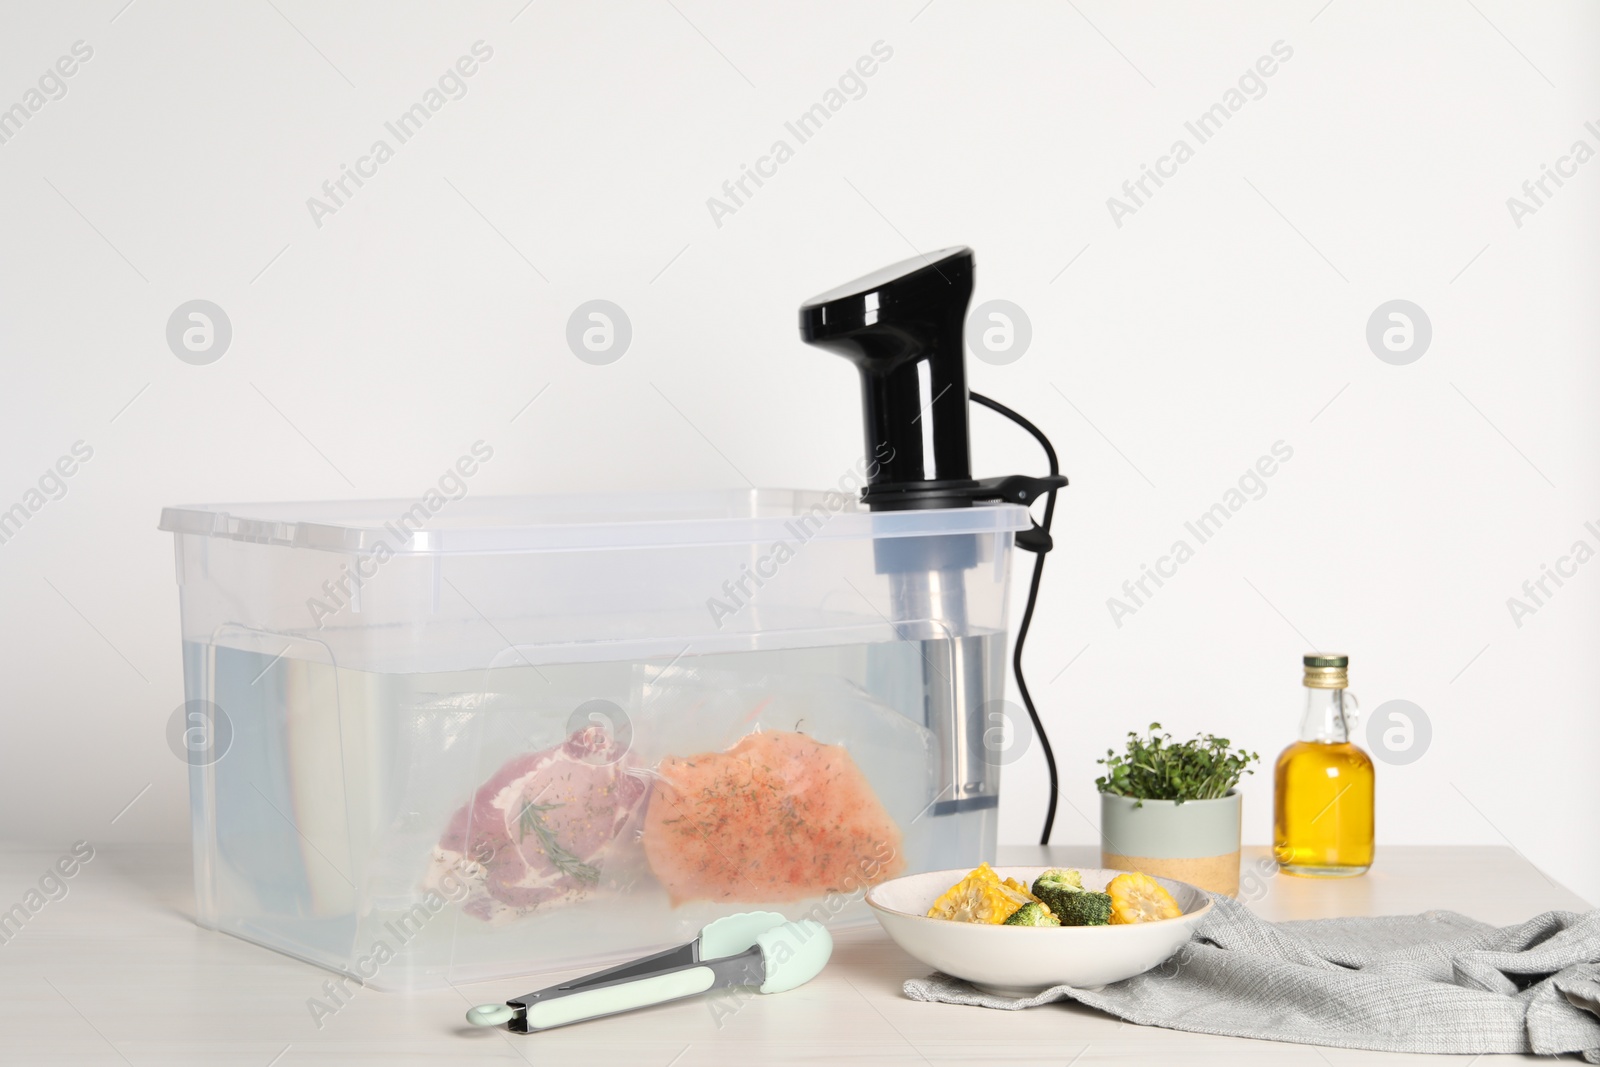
column 903, row 328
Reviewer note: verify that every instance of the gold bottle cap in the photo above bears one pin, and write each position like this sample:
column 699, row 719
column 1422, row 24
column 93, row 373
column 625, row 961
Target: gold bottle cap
column 1327, row 670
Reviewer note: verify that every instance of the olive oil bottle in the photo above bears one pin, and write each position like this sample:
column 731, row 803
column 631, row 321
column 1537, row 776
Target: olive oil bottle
column 1323, row 783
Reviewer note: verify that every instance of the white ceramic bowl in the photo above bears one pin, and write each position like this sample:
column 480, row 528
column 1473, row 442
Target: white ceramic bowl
column 1022, row 960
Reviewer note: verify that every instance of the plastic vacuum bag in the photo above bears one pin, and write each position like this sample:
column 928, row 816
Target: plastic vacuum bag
column 775, row 788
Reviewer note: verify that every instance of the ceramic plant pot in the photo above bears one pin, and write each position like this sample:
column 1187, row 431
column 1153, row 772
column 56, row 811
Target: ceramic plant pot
column 1196, row 841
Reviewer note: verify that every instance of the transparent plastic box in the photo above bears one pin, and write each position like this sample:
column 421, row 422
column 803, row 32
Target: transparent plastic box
column 487, row 737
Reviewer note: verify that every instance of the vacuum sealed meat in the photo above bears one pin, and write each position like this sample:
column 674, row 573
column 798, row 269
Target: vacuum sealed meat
column 541, row 830
column 779, row 816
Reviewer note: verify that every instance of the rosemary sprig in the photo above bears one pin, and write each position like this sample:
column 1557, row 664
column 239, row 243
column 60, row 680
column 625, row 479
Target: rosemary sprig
column 531, row 820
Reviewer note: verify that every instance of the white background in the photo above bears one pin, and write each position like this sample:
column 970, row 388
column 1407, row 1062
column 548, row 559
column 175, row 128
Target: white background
column 1228, row 313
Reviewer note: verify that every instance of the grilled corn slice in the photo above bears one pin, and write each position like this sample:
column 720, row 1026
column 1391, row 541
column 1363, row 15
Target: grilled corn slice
column 981, row 897
column 1136, row 898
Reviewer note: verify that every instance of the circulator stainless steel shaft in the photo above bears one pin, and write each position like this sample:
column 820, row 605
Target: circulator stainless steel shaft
column 959, row 671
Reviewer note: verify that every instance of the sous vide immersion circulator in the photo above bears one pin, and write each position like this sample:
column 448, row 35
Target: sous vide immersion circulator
column 903, row 327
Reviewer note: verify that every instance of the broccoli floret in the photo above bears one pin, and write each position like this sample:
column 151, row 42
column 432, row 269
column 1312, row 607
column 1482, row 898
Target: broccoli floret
column 1084, row 909
column 1032, row 914
column 1059, row 877
column 1055, row 886
column 1063, row 877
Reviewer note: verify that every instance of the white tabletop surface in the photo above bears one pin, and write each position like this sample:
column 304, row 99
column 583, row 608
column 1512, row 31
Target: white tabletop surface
column 116, row 972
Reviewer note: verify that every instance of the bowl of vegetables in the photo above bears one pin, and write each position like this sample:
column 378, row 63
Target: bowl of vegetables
column 1018, row 930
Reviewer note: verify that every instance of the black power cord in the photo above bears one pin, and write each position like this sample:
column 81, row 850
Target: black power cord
column 1027, row 611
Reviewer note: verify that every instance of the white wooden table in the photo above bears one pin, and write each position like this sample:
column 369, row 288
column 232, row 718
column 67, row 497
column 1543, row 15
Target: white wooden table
column 117, row 973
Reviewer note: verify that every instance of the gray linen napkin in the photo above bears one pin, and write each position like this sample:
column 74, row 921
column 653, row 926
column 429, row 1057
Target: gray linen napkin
column 1435, row 982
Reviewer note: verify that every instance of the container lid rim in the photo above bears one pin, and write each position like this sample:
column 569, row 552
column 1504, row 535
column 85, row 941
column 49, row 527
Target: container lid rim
column 578, row 521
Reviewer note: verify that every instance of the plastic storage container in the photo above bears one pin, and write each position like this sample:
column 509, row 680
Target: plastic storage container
column 454, row 740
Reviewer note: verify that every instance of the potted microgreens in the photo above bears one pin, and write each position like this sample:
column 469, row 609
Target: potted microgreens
column 1171, row 810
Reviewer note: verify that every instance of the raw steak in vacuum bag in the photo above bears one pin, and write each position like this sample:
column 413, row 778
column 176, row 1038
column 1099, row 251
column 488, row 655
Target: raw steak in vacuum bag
column 541, row 830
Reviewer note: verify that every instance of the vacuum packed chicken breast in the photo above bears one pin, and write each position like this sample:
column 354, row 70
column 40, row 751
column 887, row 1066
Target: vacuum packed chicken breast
column 777, row 817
